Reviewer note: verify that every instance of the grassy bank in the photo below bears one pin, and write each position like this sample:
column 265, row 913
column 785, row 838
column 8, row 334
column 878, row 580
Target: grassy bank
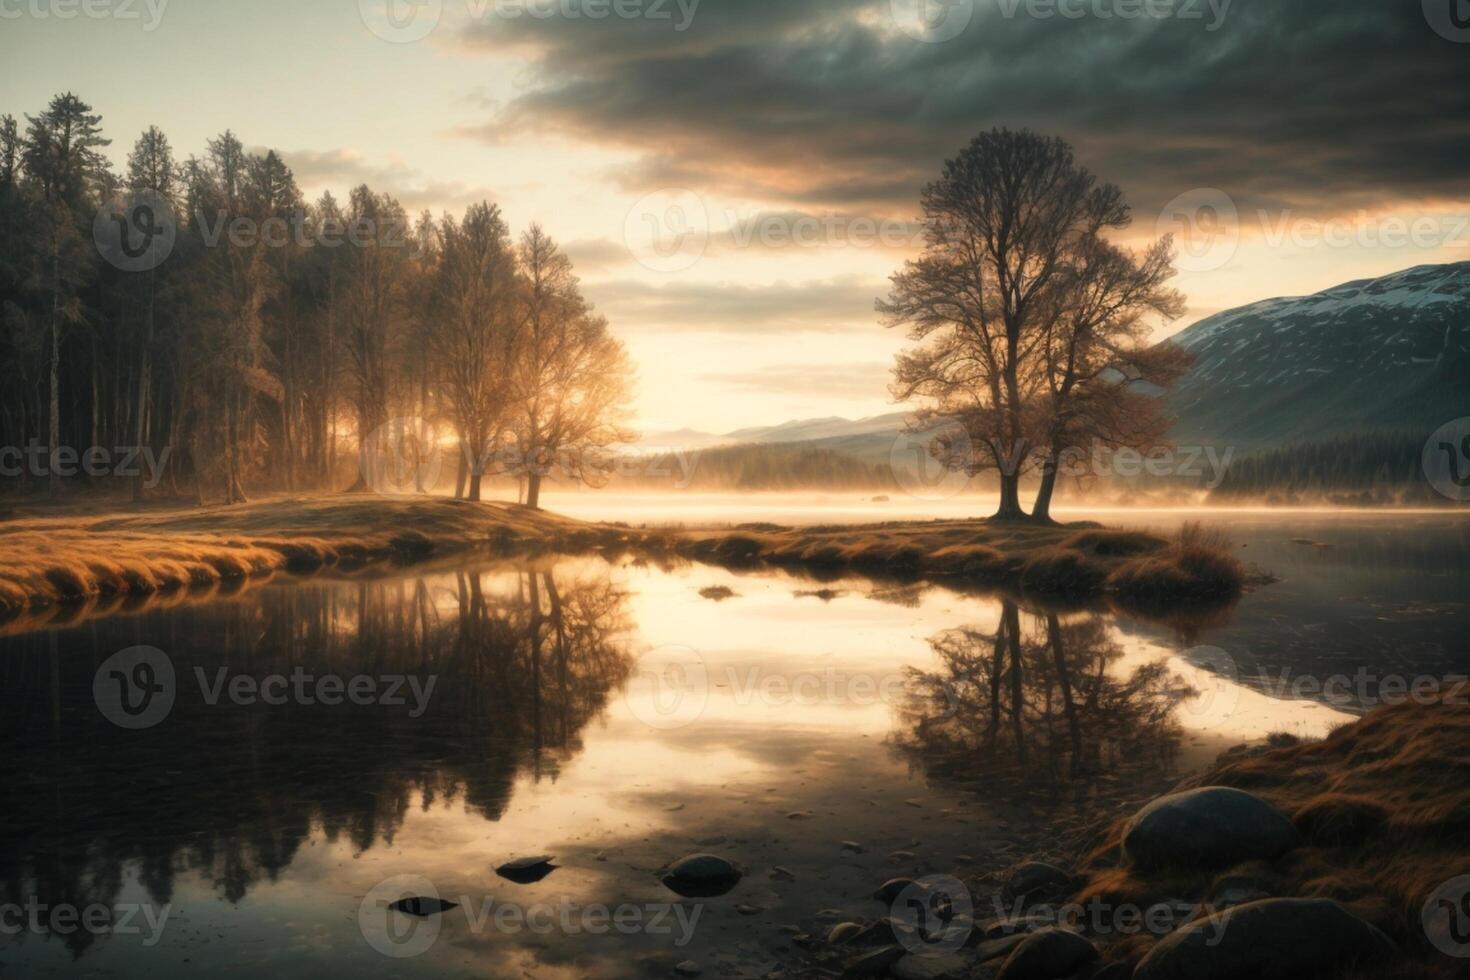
column 53, row 559
column 1383, row 807
column 47, row 560
column 1069, row 561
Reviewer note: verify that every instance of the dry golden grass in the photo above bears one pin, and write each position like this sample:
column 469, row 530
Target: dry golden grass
column 1383, row 805
column 45, row 561
column 1044, row 560
column 81, row 558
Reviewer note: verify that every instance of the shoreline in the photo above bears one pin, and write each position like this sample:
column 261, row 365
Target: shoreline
column 1375, row 816
column 49, row 561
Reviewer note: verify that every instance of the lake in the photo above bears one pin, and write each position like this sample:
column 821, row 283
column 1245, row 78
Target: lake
column 242, row 786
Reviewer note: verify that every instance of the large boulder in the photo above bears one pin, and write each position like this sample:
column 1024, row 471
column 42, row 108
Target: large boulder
column 1273, row 939
column 1211, row 827
column 1050, row 954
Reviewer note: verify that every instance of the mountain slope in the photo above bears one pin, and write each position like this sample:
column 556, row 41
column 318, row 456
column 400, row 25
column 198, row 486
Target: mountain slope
column 1374, row 355
column 869, row 438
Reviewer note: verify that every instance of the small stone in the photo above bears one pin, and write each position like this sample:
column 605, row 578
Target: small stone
column 748, row 909
column 852, row 845
column 526, row 870
column 1037, row 881
column 688, row 968
column 901, row 856
column 889, row 891
column 701, row 876
column 873, row 964
column 421, row 907
column 1048, row 955
column 843, row 932
column 994, row 949
column 932, row 966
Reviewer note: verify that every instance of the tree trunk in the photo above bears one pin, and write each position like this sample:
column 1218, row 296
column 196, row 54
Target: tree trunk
column 54, row 425
column 475, row 477
column 461, row 473
column 533, row 491
column 1010, row 498
column 1041, row 511
column 144, row 374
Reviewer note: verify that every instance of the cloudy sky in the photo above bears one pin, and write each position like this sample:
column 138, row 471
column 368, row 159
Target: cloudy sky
column 735, row 179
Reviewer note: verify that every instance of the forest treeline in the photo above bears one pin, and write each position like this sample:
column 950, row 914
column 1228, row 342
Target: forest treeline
column 1369, row 469
column 757, row 467
column 198, row 311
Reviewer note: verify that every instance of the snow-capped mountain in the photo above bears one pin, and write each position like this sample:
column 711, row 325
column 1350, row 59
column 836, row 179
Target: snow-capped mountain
column 1386, row 354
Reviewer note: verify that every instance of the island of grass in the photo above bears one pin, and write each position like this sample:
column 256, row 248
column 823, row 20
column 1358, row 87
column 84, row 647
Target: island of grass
column 49, row 559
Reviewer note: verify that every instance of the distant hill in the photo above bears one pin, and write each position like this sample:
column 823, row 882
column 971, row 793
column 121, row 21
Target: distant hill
column 1322, row 394
column 870, row 440
column 1378, row 355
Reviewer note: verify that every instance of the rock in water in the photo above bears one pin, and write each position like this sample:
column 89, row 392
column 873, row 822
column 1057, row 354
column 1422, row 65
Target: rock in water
column 421, row 907
column 1214, row 826
column 1050, row 954
column 688, row 968
column 1037, row 881
column 526, row 870
column 892, row 888
column 842, row 932
column 701, row 876
column 1274, row 939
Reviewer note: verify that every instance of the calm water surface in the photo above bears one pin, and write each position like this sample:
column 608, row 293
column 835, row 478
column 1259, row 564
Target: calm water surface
column 824, row 735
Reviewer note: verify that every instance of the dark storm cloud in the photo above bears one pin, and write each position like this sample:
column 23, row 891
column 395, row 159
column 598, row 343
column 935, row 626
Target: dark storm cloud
column 1323, row 105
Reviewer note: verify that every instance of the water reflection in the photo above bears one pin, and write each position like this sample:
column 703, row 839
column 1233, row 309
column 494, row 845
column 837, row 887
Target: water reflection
column 230, row 792
column 1040, row 700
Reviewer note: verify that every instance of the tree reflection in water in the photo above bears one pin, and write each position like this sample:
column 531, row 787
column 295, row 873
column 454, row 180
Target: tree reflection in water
column 523, row 661
column 1038, row 707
